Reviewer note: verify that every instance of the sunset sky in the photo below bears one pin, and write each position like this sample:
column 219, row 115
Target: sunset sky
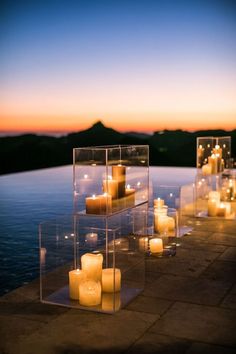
column 135, row 65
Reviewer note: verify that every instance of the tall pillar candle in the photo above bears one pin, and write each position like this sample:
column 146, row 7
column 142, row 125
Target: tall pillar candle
column 105, row 203
column 76, row 276
column 158, row 203
column 92, row 264
column 119, row 174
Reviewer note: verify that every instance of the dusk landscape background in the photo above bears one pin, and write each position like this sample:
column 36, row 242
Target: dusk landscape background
column 136, row 66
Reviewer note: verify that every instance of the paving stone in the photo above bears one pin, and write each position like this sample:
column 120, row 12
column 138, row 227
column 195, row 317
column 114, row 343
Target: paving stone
column 83, row 332
column 221, row 270
column 229, row 254
column 195, row 290
column 151, row 276
column 156, row 343
column 27, row 293
column 230, row 300
column 12, row 329
column 216, row 225
column 196, row 243
column 223, row 238
column 199, row 323
column 187, row 262
column 149, row 304
column 202, row 348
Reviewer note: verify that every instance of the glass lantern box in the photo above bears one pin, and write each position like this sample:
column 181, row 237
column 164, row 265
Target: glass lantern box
column 92, row 262
column 212, row 197
column 213, row 154
column 108, row 179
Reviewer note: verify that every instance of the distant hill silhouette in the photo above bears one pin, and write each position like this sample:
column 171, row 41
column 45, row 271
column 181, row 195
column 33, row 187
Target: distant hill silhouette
column 167, row 148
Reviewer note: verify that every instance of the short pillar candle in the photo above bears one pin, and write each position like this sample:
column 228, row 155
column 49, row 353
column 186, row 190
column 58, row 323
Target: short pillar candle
column 90, row 293
column 118, row 174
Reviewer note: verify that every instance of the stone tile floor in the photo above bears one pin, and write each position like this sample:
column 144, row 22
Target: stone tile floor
column 188, row 306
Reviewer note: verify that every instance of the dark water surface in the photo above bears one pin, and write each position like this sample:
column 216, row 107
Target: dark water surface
column 28, row 198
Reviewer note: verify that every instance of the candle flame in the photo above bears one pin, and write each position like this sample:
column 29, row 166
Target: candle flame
column 128, row 186
column 94, row 196
column 85, row 176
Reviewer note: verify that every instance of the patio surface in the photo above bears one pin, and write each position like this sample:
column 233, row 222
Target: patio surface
column 188, row 306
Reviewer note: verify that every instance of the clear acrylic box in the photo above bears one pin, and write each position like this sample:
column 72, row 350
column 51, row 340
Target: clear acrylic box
column 210, row 198
column 108, row 179
column 213, row 154
column 92, row 262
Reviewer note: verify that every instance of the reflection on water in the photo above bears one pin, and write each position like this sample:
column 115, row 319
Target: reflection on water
column 31, row 197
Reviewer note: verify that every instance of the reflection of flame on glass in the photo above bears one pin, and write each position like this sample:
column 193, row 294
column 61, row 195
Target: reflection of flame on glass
column 91, row 239
column 43, row 252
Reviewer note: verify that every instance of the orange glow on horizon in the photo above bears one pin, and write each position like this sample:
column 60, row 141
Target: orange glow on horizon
column 140, row 122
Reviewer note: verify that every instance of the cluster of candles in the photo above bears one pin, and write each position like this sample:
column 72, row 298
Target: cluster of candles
column 92, row 285
column 215, row 162
column 115, row 191
column 228, row 191
column 216, row 207
column 163, row 224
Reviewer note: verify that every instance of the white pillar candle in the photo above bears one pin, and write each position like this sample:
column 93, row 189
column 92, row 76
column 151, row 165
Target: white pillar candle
column 158, row 203
column 110, row 186
column 214, row 195
column 158, row 212
column 162, row 226
column 111, row 302
column 118, row 174
column 90, row 293
column 75, row 278
column 212, row 206
column 129, row 196
column 92, row 264
column 156, row 245
column 91, row 239
column 206, row 169
column 111, row 280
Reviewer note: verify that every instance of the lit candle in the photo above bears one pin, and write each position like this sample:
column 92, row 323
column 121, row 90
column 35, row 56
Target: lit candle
column 171, row 223
column 157, row 213
column 206, row 169
column 75, row 278
column 93, row 205
column 110, row 186
column 143, row 244
column 118, row 174
column 212, row 206
column 163, row 222
column 221, row 210
column 100, row 204
column 91, row 239
column 92, row 264
column 158, row 203
column 90, row 293
column 214, row 195
column 111, row 280
column 111, row 302
column 156, row 245
column 129, row 196
column 224, row 209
